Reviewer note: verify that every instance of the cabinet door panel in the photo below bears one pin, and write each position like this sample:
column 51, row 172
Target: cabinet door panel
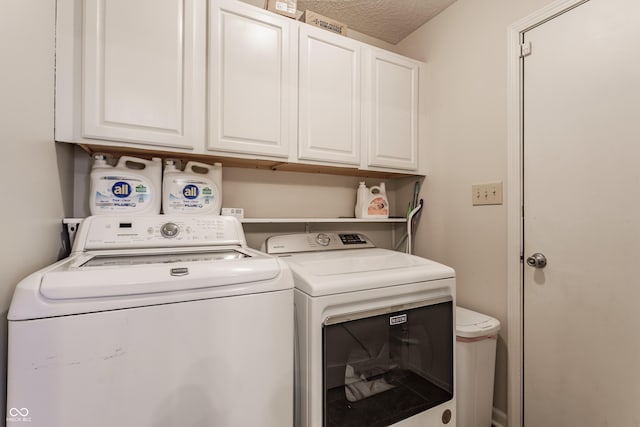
column 330, row 88
column 393, row 111
column 249, row 75
column 143, row 71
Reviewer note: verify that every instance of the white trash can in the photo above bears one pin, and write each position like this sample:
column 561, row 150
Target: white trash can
column 476, row 336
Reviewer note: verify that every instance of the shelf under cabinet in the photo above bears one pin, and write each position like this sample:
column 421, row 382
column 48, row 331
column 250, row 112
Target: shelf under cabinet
column 320, row 220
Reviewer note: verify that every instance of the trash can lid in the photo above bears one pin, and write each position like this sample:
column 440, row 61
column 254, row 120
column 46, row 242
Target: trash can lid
column 471, row 324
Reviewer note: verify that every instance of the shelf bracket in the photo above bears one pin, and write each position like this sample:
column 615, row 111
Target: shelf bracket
column 71, row 225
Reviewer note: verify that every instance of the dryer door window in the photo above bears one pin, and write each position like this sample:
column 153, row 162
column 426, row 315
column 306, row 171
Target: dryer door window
column 382, row 367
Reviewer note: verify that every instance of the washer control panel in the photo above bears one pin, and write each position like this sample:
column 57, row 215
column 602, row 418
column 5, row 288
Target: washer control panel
column 312, row 242
column 106, row 232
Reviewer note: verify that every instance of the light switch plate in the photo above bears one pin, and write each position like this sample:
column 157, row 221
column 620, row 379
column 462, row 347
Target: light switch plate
column 486, row 194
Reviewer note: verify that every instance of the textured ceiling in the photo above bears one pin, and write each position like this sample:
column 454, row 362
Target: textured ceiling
column 388, row 20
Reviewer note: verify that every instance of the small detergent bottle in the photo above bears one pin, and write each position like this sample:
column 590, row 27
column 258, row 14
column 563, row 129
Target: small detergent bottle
column 195, row 191
column 131, row 187
column 372, row 202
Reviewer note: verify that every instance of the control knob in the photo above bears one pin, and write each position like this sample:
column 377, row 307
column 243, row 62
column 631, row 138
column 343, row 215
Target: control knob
column 169, row 230
column 323, row 239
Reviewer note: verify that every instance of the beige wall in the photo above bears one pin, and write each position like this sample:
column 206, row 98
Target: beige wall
column 465, row 48
column 36, row 172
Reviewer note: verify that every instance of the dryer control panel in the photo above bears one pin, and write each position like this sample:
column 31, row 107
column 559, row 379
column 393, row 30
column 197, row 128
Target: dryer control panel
column 313, row 242
column 158, row 231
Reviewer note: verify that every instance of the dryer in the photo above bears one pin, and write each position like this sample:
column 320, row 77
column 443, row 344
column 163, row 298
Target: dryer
column 154, row 321
column 375, row 333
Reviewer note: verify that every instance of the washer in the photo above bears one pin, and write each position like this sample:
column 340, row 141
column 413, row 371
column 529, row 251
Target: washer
column 154, row 321
column 375, row 333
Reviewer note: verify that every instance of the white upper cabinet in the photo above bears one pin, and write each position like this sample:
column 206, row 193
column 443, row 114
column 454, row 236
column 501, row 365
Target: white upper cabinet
column 391, row 97
column 143, row 71
column 329, row 97
column 251, row 80
column 227, row 79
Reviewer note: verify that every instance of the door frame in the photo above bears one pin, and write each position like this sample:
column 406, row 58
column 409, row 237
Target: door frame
column 515, row 195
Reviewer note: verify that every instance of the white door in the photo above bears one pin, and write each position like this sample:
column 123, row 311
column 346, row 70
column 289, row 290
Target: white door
column 391, row 97
column 329, row 98
column 143, row 71
column 251, row 80
column 582, row 211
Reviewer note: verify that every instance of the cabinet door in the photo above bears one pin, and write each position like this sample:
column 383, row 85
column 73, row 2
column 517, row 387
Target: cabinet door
column 329, row 97
column 143, row 71
column 392, row 116
column 250, row 80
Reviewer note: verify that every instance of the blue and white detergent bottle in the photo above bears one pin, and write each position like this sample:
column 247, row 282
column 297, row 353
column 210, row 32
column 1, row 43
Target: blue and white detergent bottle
column 195, row 191
column 131, row 187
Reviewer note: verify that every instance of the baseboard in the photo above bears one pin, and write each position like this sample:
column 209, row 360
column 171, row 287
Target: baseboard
column 499, row 418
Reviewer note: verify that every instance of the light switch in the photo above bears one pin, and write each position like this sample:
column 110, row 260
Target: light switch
column 486, row 194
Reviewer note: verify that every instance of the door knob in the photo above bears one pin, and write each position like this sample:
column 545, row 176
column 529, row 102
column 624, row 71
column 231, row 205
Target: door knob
column 537, row 260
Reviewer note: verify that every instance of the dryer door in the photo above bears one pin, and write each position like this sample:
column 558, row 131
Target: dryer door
column 383, row 366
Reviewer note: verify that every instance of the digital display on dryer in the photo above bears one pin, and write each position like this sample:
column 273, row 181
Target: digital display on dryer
column 352, row 239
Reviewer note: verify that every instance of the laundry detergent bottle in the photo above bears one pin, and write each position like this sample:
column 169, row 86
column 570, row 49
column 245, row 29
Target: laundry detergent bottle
column 131, row 187
column 195, row 191
column 372, row 202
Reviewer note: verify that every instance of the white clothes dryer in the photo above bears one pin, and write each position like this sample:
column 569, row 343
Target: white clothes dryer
column 375, row 333
column 154, row 321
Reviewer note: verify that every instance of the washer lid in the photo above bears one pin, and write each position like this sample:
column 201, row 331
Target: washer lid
column 471, row 324
column 108, row 280
column 334, row 272
column 124, row 273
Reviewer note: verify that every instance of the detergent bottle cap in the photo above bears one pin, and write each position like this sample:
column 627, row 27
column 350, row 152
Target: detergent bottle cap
column 99, row 159
column 170, row 165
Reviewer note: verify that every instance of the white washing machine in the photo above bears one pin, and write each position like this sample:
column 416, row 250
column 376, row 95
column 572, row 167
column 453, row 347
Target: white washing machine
column 154, row 321
column 375, row 333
